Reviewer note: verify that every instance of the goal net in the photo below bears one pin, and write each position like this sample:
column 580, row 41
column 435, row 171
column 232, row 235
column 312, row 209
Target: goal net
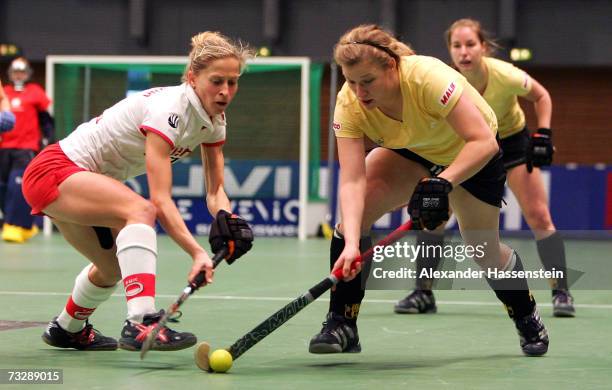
column 272, row 148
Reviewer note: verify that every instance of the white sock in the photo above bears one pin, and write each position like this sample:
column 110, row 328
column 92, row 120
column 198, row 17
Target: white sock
column 137, row 254
column 85, row 298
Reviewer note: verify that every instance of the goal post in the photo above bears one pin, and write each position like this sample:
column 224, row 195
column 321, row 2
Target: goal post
column 271, row 118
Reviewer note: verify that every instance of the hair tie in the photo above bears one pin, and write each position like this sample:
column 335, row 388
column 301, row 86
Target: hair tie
column 376, row 45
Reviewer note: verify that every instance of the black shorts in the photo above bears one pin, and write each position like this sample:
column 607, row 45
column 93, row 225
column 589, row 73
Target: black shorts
column 486, row 185
column 515, row 149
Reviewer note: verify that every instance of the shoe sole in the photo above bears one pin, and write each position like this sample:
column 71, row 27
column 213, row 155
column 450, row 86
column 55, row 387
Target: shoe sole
column 564, row 313
column 13, row 240
column 535, row 353
column 324, row 348
column 401, row 310
column 331, row 348
column 159, row 347
column 111, row 347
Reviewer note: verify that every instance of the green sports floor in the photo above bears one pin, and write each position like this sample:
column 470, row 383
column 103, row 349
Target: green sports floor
column 469, row 344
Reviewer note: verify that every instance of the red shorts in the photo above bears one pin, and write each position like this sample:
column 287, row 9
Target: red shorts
column 44, row 174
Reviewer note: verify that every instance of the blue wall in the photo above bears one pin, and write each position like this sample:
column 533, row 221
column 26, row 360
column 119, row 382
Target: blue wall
column 266, row 194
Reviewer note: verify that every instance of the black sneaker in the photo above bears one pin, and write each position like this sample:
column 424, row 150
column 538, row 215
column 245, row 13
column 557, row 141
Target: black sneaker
column 88, row 339
column 335, row 336
column 563, row 304
column 417, row 302
column 533, row 334
column 133, row 335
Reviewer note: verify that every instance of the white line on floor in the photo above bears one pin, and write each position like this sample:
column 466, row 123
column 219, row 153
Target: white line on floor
column 288, row 299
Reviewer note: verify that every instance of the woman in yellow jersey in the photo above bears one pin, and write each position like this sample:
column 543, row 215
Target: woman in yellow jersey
column 437, row 149
column 500, row 83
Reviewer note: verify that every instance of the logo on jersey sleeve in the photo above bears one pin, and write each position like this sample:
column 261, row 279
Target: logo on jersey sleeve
column 173, row 120
column 337, row 126
column 445, row 98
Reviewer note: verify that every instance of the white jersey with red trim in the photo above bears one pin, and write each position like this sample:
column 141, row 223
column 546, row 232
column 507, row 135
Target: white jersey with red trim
column 113, row 144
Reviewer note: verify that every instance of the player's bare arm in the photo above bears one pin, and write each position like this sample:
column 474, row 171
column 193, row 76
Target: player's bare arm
column 480, row 144
column 213, row 165
column 159, row 175
column 542, row 103
column 351, row 155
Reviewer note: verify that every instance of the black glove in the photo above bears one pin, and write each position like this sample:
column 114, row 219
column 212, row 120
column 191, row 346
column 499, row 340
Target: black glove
column 231, row 231
column 429, row 202
column 540, row 150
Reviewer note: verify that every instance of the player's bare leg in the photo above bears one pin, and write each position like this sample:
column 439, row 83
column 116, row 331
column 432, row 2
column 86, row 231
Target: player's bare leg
column 390, row 180
column 83, row 202
column 94, row 285
column 479, row 224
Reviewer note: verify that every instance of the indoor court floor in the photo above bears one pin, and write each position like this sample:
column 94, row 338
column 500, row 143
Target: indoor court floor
column 469, row 344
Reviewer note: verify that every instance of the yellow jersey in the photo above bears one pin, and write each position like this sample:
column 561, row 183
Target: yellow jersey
column 505, row 83
column 430, row 89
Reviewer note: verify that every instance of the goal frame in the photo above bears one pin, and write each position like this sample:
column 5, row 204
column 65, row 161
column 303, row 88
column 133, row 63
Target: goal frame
column 303, row 62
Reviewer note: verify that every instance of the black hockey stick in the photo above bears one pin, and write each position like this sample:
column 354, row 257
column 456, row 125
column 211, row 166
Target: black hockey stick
column 283, row 315
column 189, row 289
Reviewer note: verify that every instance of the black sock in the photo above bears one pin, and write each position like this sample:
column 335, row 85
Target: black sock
column 552, row 255
column 514, row 293
column 346, row 299
column 432, row 244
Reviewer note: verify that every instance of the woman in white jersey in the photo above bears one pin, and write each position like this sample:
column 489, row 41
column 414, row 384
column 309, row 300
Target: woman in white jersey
column 500, row 83
column 437, row 149
column 78, row 183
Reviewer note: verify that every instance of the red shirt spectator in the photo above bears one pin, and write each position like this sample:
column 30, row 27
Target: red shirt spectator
column 25, row 104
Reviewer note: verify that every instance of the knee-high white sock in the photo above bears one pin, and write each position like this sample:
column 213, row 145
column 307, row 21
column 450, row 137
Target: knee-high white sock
column 85, row 298
column 137, row 254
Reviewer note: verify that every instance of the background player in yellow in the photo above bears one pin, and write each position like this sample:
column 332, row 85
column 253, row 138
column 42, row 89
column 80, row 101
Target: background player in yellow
column 437, row 149
column 500, row 83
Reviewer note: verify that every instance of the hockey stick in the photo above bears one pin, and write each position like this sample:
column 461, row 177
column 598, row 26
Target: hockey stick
column 190, row 289
column 283, row 315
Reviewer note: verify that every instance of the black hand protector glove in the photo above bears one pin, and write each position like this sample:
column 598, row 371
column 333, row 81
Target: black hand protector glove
column 540, row 150
column 231, row 231
column 429, row 202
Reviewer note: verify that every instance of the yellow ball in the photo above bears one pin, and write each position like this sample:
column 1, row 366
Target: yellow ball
column 221, row 360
